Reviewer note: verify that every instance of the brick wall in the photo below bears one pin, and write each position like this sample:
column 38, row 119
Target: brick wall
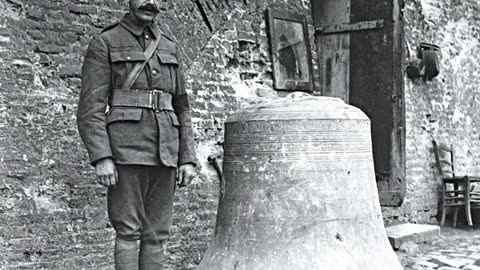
column 53, row 214
column 446, row 109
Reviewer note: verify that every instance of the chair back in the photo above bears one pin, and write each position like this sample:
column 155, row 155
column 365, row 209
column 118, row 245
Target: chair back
column 444, row 155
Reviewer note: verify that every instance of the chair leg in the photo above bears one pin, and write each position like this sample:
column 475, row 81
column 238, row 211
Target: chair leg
column 444, row 214
column 468, row 213
column 455, row 215
column 444, row 209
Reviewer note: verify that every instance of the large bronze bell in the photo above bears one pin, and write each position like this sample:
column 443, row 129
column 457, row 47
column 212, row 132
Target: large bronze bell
column 300, row 191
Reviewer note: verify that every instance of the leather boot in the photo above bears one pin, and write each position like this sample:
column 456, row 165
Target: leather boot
column 126, row 255
column 152, row 256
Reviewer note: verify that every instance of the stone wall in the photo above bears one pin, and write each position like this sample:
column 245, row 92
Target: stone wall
column 53, row 213
column 445, row 109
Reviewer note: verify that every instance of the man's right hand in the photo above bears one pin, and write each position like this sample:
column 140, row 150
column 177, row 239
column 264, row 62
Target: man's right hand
column 106, row 172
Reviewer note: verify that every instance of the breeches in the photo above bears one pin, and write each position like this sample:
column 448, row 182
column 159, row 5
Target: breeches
column 140, row 206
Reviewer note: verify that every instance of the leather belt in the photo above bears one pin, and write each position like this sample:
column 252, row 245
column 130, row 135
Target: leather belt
column 151, row 99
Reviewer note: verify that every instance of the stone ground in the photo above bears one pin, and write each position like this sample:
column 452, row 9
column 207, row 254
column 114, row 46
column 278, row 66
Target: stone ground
column 455, row 248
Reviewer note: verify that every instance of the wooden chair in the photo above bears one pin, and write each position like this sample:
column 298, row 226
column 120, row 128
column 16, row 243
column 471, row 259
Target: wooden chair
column 457, row 191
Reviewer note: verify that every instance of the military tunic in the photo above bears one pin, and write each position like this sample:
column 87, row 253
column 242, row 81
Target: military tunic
column 133, row 135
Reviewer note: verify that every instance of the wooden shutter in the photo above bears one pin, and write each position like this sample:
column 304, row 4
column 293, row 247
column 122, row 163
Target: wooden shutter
column 360, row 53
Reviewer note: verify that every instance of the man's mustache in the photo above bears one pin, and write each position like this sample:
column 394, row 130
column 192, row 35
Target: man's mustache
column 149, row 7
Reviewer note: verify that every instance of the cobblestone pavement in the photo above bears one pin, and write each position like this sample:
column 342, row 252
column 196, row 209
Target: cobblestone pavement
column 455, row 248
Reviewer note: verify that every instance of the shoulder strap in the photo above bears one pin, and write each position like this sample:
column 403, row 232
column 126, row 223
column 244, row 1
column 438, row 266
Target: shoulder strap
column 137, row 69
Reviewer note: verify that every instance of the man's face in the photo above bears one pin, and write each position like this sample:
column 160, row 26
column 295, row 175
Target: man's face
column 145, row 10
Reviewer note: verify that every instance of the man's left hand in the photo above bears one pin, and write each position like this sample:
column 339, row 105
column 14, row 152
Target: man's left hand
column 186, row 173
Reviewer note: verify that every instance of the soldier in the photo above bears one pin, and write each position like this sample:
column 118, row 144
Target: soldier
column 135, row 121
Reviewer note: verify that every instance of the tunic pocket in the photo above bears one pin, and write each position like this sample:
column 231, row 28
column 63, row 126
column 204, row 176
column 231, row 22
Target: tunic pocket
column 164, row 67
column 167, row 59
column 124, row 114
column 122, row 63
column 127, row 56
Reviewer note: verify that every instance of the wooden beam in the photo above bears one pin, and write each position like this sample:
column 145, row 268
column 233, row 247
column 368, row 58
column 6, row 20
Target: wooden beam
column 349, row 27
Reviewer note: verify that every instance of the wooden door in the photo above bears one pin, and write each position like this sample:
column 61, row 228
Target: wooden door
column 359, row 44
column 334, row 56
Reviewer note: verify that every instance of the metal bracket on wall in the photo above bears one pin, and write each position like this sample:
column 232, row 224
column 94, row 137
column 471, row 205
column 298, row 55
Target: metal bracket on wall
column 349, row 27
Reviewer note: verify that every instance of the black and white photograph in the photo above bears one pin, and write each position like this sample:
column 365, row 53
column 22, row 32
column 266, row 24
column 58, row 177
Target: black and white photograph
column 239, row 135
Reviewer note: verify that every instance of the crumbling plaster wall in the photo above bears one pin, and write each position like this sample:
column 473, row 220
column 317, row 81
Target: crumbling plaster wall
column 445, row 109
column 53, row 215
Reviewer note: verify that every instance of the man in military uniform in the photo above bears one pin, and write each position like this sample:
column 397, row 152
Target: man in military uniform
column 135, row 121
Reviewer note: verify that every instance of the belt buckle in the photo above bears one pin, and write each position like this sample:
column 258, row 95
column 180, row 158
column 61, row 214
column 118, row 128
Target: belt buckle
column 155, row 99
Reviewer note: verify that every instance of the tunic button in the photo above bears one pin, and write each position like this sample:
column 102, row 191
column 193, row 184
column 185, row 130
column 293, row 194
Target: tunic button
column 128, row 58
column 147, row 36
column 154, row 72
